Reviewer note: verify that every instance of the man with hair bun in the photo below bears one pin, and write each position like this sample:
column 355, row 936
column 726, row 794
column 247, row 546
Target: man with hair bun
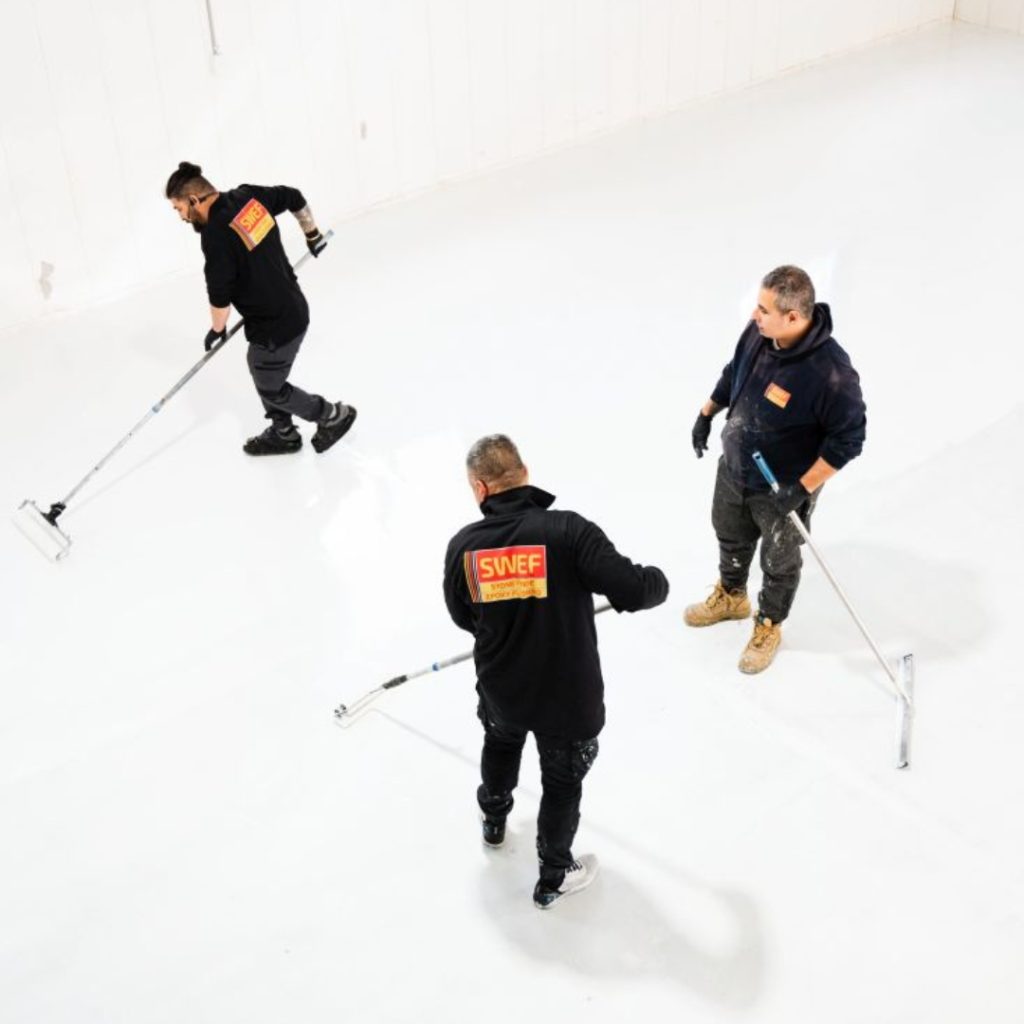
column 522, row 580
column 793, row 394
column 246, row 267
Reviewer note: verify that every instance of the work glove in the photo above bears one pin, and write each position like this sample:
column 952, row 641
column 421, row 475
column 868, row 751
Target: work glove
column 700, row 434
column 789, row 497
column 212, row 337
column 315, row 242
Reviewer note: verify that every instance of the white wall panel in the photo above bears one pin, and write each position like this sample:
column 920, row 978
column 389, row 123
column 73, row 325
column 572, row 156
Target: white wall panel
column 623, row 60
column 1005, row 15
column 183, row 64
column 414, row 112
column 836, row 25
column 83, row 112
column 936, row 10
column 584, row 50
column 525, row 76
column 655, row 46
column 910, row 14
column 973, row 11
column 488, row 81
column 231, row 85
column 126, row 55
column 684, row 46
column 354, row 101
column 795, row 33
column 711, row 46
column 37, row 165
column 333, row 180
column 281, row 97
column 449, row 63
column 17, row 286
column 739, row 46
column 766, row 38
column 559, row 58
column 369, row 32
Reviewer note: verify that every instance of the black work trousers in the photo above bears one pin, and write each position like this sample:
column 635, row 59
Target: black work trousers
column 563, row 765
column 270, row 368
column 741, row 517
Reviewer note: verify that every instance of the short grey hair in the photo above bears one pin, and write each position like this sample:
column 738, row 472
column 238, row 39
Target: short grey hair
column 495, row 460
column 793, row 289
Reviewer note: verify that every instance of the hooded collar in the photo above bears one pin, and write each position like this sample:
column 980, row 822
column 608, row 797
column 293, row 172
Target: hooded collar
column 817, row 334
column 516, row 499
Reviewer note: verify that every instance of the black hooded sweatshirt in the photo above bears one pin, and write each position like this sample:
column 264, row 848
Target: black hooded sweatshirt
column 246, row 265
column 793, row 404
column 522, row 581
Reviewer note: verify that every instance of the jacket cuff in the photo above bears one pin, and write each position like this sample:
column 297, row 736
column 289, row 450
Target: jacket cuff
column 835, row 456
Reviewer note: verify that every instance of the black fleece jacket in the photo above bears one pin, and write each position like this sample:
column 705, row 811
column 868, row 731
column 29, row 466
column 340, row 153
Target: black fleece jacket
column 246, row 265
column 522, row 581
column 793, row 404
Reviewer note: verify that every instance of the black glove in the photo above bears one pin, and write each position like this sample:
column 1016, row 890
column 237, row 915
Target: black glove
column 700, row 434
column 789, row 498
column 212, row 337
column 315, row 241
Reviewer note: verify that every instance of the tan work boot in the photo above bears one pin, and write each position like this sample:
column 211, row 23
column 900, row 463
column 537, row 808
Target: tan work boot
column 761, row 647
column 721, row 605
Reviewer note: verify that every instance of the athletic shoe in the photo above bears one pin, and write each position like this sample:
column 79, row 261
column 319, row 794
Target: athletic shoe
column 577, row 877
column 493, row 830
column 335, row 424
column 274, row 442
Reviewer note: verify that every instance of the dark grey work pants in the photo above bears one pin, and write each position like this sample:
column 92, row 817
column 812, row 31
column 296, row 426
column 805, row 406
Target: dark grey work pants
column 741, row 517
column 281, row 400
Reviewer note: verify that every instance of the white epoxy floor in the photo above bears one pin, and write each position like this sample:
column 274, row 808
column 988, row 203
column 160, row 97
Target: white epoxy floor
column 188, row 836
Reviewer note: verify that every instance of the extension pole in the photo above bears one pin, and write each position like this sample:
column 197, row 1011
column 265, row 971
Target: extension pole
column 49, row 519
column 343, row 711
column 901, row 686
column 160, row 403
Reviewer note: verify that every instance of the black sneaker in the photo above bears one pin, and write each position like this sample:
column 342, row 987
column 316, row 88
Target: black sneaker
column 577, row 877
column 274, row 442
column 493, row 830
column 334, row 426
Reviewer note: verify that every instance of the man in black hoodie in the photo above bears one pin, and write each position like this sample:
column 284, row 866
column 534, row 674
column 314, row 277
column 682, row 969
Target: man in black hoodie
column 246, row 267
column 793, row 394
column 522, row 581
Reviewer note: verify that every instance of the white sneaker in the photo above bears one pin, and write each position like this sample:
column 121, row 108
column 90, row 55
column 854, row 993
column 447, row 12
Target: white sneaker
column 577, row 878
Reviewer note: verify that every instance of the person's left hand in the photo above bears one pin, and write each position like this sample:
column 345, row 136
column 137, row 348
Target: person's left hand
column 789, row 497
column 315, row 242
column 212, row 337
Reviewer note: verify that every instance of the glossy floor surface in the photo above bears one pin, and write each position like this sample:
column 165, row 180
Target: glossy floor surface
column 189, row 836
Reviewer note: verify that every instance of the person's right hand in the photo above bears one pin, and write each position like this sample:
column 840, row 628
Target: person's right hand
column 700, row 434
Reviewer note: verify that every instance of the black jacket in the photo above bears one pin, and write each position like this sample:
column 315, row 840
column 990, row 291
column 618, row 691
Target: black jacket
column 793, row 404
column 521, row 581
column 246, row 265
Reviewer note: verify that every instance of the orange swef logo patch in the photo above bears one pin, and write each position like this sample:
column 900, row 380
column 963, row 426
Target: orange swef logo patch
column 778, row 396
column 252, row 223
column 506, row 574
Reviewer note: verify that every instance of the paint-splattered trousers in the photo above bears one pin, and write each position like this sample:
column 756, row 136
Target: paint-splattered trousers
column 742, row 517
column 563, row 765
column 270, row 368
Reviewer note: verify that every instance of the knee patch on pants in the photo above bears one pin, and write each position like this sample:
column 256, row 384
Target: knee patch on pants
column 275, row 396
column 569, row 761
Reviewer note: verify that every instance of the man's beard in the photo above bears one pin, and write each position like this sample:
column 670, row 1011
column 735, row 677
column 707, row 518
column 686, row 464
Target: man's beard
column 196, row 227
